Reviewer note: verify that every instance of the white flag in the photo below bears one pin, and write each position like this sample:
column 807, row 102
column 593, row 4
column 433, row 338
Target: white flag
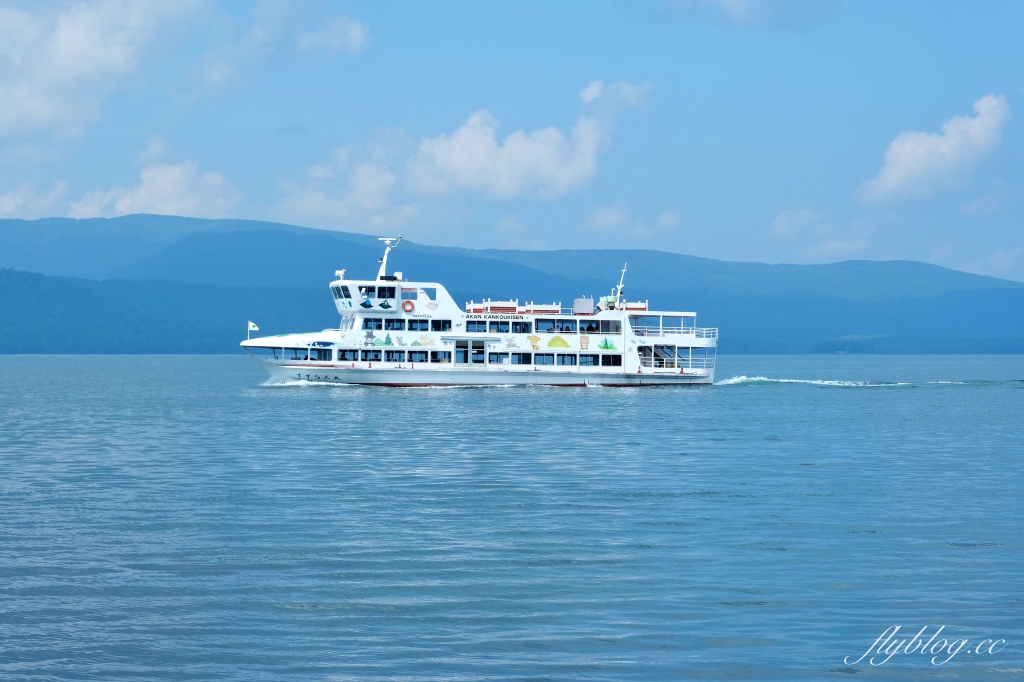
column 253, row 327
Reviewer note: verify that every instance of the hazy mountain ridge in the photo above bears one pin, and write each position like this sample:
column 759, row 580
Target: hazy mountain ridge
column 166, row 284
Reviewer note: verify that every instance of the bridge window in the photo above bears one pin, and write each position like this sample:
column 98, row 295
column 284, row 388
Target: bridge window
column 521, row 358
column 417, row 356
column 499, row 327
column 418, row 325
column 371, row 356
column 385, row 292
column 544, row 359
column 394, row 356
column 409, row 294
column 340, row 292
column 589, row 360
column 373, row 323
column 440, row 356
column 476, row 326
column 611, row 361
column 368, row 292
column 522, row 328
column 394, row 325
column 440, row 325
column 546, row 327
column 348, row 355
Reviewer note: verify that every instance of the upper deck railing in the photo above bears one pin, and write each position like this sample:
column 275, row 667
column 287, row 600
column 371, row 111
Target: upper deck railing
column 695, row 332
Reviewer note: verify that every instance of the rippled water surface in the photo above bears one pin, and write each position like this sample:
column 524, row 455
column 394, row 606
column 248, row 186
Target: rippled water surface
column 175, row 518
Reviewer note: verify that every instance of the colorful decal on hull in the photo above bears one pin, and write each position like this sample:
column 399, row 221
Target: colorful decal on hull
column 607, row 345
column 534, row 340
column 584, row 342
column 558, row 342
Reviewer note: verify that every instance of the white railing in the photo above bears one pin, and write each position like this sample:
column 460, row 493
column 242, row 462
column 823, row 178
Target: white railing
column 678, row 363
column 696, row 332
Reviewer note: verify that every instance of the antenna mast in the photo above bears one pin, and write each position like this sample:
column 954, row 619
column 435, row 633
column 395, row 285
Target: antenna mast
column 387, row 249
column 618, row 290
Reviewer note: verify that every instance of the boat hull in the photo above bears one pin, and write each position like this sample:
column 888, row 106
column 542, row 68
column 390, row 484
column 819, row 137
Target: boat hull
column 450, row 376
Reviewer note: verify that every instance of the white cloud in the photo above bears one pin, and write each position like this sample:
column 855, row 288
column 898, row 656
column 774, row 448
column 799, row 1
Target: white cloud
column 917, row 165
column 168, row 189
column 155, row 148
column 787, row 14
column 609, row 217
column 23, row 202
column 791, row 222
column 669, row 220
column 539, row 164
column 57, row 65
column 340, row 33
column 542, row 163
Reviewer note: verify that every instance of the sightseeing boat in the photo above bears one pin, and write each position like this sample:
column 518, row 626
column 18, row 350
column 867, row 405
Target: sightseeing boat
column 398, row 332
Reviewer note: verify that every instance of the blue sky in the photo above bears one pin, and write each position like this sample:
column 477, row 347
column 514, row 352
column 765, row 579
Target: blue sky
column 745, row 130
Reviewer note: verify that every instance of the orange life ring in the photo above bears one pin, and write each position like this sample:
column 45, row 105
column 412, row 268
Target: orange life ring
column 408, row 306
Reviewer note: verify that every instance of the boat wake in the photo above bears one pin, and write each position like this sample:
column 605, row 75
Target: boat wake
column 767, row 381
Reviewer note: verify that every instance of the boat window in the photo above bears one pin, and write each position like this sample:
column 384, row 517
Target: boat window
column 521, row 358
column 672, row 322
column 349, row 355
column 440, row 356
column 385, row 292
column 394, row 356
column 644, row 325
column 611, row 361
column 462, row 352
column 476, row 326
column 497, row 358
column 589, row 360
column 565, row 359
column 340, row 291
column 567, row 326
column 297, row 353
column 546, row 326
column 368, row 292
column 522, row 328
column 345, row 292
column 371, row 355
column 265, row 353
column 394, row 325
column 611, row 326
column 409, row 294
column 430, row 293
column 418, row 325
column 590, row 326
column 499, row 327
column 417, row 356
column 440, row 325
column 544, row 359
column 373, row 323
column 321, row 354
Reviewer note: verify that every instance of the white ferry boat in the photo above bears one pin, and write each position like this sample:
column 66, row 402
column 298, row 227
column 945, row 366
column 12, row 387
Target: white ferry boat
column 398, row 332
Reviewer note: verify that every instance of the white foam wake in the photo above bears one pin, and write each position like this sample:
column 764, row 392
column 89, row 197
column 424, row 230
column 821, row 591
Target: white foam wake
column 767, row 381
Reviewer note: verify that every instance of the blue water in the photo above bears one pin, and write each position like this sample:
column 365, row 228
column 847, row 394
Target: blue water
column 174, row 518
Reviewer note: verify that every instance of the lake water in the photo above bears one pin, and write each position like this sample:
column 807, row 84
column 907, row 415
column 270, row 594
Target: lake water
column 175, row 518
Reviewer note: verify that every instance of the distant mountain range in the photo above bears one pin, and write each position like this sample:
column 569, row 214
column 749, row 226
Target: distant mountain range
column 145, row 284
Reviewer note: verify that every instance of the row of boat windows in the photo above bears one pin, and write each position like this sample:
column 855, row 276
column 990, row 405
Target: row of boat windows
column 463, row 356
column 546, row 326
column 341, row 291
column 666, row 323
column 390, row 325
